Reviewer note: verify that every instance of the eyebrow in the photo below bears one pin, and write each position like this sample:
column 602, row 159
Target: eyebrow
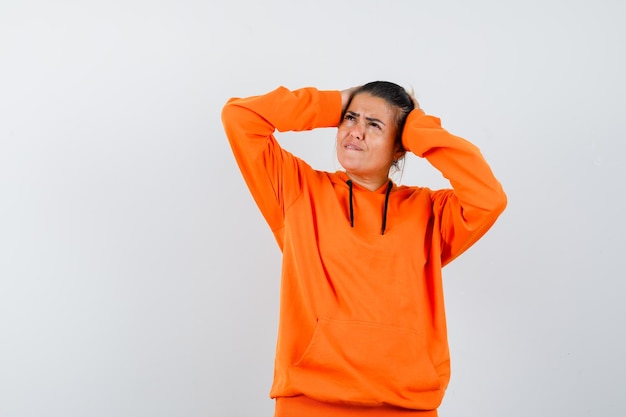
column 369, row 119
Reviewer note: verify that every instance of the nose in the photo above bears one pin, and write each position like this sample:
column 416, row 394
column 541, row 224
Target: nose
column 357, row 132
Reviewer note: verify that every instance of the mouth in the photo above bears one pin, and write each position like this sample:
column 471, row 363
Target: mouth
column 352, row 147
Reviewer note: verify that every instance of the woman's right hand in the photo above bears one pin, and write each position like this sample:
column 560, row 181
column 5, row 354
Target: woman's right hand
column 346, row 96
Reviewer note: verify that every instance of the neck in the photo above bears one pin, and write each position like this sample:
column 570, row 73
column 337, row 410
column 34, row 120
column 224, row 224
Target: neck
column 371, row 184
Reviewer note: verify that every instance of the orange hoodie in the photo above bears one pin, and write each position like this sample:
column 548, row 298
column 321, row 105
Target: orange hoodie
column 362, row 326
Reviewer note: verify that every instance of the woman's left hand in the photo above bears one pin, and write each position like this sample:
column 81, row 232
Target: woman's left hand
column 415, row 102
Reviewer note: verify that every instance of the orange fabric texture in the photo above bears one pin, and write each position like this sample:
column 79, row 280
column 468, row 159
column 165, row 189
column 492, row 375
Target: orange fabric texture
column 362, row 321
column 301, row 406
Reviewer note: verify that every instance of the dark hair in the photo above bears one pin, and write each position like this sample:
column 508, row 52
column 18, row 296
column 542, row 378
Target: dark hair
column 394, row 95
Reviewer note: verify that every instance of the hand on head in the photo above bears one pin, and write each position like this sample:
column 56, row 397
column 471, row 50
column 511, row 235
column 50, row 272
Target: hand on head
column 414, row 100
column 346, row 95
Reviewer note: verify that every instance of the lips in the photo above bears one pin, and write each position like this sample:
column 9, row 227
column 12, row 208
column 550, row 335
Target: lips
column 352, row 147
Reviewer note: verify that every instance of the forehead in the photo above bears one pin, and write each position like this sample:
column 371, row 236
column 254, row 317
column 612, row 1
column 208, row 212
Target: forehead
column 371, row 106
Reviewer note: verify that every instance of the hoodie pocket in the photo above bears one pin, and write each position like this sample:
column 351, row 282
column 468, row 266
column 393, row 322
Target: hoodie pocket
column 367, row 364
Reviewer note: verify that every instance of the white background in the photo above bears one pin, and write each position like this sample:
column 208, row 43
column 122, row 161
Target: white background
column 137, row 277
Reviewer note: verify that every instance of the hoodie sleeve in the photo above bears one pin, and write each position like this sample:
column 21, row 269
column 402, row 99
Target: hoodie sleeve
column 270, row 172
column 476, row 199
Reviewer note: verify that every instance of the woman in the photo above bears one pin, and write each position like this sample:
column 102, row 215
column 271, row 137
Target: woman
column 362, row 326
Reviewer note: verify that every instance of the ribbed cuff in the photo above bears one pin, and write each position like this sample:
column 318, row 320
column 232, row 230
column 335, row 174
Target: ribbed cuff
column 301, row 406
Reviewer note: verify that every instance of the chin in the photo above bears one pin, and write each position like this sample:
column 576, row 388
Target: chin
column 346, row 165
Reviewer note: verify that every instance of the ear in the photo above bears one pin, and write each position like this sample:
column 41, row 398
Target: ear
column 399, row 153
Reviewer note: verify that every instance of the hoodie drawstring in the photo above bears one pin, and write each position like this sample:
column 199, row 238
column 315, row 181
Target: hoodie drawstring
column 351, row 209
column 389, row 187
column 384, row 225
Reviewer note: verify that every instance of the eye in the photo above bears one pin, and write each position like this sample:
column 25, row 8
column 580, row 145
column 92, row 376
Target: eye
column 376, row 125
column 348, row 116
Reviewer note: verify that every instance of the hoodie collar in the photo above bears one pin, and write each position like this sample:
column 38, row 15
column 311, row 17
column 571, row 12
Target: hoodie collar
column 386, row 188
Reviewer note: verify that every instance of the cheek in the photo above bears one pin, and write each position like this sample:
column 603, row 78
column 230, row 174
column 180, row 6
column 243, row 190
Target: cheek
column 341, row 135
